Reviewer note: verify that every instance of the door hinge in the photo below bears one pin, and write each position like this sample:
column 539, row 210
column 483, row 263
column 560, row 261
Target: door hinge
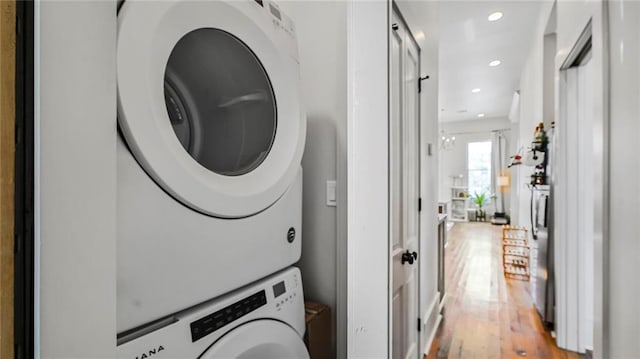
column 420, row 79
column 419, row 204
column 419, row 325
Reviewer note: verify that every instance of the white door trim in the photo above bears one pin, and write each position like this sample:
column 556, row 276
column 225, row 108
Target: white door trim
column 367, row 183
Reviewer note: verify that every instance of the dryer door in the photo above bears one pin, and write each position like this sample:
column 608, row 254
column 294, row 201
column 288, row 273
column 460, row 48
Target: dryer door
column 208, row 102
column 261, row 339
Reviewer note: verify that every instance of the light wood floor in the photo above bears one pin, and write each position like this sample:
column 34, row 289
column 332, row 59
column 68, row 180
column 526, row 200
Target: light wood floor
column 486, row 316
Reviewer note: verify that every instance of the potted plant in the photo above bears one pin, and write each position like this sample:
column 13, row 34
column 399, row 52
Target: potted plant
column 480, row 200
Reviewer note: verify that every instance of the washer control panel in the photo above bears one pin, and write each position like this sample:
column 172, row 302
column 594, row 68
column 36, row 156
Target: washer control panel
column 286, row 292
column 212, row 322
column 190, row 333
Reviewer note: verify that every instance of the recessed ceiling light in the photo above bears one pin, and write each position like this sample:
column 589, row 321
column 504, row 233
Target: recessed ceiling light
column 495, row 63
column 481, row 115
column 495, row 16
column 475, row 90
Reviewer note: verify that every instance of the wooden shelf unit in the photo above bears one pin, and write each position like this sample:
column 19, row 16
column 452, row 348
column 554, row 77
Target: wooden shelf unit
column 516, row 253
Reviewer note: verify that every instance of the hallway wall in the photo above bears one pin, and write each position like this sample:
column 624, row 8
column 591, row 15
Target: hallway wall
column 75, row 179
column 616, row 49
column 531, row 113
column 323, row 66
column 624, row 193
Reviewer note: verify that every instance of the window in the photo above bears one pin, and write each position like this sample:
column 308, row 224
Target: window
column 479, row 168
column 220, row 102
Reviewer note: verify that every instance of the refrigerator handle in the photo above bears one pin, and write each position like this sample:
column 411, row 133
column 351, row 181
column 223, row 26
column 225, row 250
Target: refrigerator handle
column 533, row 224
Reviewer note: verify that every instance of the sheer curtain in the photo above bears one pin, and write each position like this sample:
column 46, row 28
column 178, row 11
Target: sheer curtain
column 498, row 165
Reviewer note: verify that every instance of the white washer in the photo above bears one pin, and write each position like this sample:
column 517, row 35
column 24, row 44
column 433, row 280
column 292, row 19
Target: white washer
column 211, row 138
column 263, row 320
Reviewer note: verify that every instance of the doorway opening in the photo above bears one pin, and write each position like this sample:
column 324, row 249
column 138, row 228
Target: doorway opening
column 513, row 289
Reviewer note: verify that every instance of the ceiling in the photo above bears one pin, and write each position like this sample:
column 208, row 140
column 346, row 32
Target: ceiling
column 469, row 42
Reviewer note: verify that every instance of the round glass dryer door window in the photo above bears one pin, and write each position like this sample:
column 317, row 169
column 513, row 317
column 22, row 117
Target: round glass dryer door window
column 220, row 102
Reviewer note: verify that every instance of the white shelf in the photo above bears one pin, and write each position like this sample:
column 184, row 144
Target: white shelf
column 458, row 209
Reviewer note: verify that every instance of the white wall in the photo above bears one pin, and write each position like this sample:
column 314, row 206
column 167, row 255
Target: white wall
column 323, row 64
column 422, row 18
column 624, row 245
column 531, row 113
column 616, row 246
column 75, row 179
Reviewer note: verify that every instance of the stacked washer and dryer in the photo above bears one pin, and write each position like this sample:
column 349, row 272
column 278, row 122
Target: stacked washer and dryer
column 209, row 181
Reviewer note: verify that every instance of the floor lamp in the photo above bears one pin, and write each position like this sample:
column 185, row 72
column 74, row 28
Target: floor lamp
column 500, row 216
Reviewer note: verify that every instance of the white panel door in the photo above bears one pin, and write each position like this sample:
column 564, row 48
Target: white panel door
column 404, row 189
column 574, row 188
column 586, row 187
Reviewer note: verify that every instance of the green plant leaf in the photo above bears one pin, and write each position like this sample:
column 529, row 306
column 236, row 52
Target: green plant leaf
column 480, row 199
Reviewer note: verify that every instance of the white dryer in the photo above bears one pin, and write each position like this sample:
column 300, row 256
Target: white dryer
column 262, row 321
column 211, row 135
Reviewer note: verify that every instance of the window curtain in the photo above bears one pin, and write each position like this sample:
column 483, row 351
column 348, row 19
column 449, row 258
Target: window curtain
column 498, row 165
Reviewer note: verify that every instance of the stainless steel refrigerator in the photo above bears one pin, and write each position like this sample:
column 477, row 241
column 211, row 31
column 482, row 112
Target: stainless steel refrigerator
column 542, row 215
column 542, row 225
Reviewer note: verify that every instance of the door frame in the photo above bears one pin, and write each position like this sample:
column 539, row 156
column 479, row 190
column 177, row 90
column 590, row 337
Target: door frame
column 593, row 35
column 367, row 179
column 24, row 179
column 367, row 244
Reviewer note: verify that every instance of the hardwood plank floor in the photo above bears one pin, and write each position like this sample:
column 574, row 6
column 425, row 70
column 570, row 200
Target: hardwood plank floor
column 486, row 315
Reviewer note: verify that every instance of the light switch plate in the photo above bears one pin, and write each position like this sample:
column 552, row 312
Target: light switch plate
column 331, row 193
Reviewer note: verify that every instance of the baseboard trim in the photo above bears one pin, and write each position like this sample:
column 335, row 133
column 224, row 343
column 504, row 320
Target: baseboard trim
column 433, row 309
column 443, row 302
column 432, row 336
column 434, row 303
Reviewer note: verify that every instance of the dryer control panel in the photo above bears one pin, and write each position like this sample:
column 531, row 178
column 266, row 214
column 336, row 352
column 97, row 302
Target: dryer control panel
column 279, row 19
column 282, row 23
